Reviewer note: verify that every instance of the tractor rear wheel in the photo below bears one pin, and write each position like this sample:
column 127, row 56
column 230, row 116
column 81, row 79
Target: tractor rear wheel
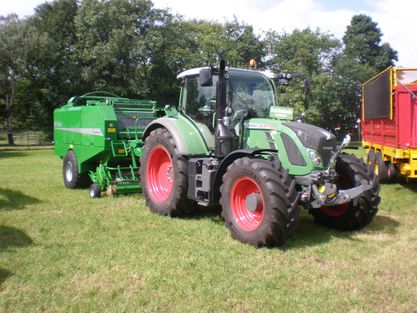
column 164, row 175
column 73, row 179
column 259, row 202
column 359, row 211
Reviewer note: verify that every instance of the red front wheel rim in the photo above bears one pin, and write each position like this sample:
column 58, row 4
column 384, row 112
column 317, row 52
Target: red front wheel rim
column 159, row 174
column 246, row 219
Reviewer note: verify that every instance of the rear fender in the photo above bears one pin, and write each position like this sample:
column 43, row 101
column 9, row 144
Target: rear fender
column 187, row 137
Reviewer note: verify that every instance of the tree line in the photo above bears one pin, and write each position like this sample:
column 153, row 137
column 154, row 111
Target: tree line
column 131, row 48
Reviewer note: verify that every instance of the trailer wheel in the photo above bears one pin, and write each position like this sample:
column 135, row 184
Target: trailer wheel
column 381, row 169
column 392, row 173
column 72, row 179
column 361, row 210
column 371, row 159
column 95, row 191
column 164, row 175
column 259, row 202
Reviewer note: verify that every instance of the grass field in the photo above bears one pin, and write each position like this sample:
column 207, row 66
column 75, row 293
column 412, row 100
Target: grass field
column 61, row 251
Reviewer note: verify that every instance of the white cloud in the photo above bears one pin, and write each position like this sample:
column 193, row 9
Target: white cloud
column 21, row 7
column 284, row 15
column 397, row 20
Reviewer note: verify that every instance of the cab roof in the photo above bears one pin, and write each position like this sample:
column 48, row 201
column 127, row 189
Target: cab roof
column 196, row 71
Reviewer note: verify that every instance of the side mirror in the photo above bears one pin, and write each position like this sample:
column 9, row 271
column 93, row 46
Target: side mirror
column 206, row 77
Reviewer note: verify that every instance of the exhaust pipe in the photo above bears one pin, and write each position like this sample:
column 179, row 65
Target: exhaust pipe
column 224, row 138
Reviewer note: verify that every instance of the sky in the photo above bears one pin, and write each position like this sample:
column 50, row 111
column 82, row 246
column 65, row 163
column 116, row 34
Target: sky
column 395, row 18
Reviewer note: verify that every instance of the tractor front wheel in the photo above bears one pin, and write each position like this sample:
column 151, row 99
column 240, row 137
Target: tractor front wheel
column 164, row 175
column 259, row 202
column 359, row 211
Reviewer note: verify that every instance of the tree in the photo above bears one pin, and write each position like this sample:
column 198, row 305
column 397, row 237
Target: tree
column 362, row 42
column 307, row 54
column 50, row 73
column 362, row 58
column 304, row 51
column 10, row 65
column 177, row 45
column 112, row 44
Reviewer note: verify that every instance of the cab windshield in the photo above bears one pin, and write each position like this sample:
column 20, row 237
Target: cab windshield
column 251, row 90
column 250, row 94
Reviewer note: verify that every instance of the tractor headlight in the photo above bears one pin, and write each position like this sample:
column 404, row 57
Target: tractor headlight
column 314, row 157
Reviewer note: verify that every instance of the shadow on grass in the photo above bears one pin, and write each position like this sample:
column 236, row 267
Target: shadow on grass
column 382, row 224
column 15, row 200
column 210, row 213
column 309, row 233
column 11, row 237
column 4, row 274
column 412, row 186
column 11, row 154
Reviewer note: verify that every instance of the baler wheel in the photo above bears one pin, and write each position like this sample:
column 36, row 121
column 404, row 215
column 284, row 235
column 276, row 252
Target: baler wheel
column 361, row 210
column 73, row 179
column 164, row 175
column 259, row 202
column 95, row 191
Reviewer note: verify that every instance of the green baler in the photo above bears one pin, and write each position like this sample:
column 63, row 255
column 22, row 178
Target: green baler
column 99, row 137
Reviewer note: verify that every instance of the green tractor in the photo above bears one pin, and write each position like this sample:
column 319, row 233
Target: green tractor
column 227, row 142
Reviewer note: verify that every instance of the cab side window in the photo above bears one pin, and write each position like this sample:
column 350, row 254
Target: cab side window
column 200, row 102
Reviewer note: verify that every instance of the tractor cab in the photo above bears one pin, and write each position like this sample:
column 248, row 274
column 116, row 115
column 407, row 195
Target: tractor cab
column 249, row 94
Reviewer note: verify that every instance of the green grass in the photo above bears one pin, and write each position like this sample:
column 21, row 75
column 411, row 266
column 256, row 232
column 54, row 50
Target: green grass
column 61, row 251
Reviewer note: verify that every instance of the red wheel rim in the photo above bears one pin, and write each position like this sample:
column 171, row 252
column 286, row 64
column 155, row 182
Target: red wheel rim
column 247, row 220
column 340, row 209
column 159, row 174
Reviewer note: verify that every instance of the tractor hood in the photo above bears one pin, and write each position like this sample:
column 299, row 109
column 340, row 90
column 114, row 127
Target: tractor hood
column 302, row 147
column 315, row 138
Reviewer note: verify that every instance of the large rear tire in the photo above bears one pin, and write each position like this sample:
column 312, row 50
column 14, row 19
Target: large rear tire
column 72, row 178
column 360, row 211
column 259, row 202
column 164, row 175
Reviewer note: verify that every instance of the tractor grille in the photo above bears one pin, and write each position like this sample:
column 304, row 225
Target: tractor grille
column 294, row 154
column 315, row 138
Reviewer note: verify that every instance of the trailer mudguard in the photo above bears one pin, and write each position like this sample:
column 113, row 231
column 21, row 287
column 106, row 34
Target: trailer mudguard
column 188, row 138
